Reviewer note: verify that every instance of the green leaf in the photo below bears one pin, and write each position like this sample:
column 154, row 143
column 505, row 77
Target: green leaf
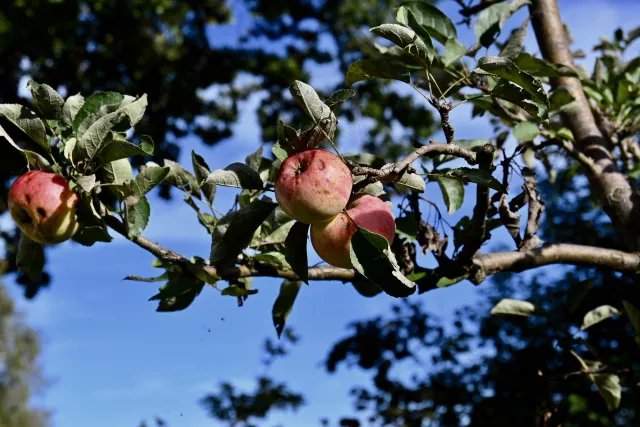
column 234, row 231
column 30, row 258
column 526, row 131
column 453, row 51
column 365, row 287
column 541, row 68
column 561, row 100
column 337, row 98
column 137, row 216
column 452, row 191
column 412, row 181
column 279, row 152
column 254, row 159
column 236, row 175
column 370, row 69
column 516, row 307
column 505, row 68
column 577, row 292
column 492, row 19
column 609, row 388
column 117, row 172
column 422, row 32
column 178, row 294
column 274, row 258
column 407, row 226
column 202, row 171
column 238, row 291
column 477, row 176
column 179, row 177
column 324, row 121
column 515, row 42
column 144, row 182
column 279, row 235
column 407, row 39
column 371, row 256
column 71, row 107
column 92, row 105
column 28, row 122
column 296, row 250
column 608, row 385
column 161, row 278
column 86, row 182
column 284, row 304
column 32, row 158
column 48, row 102
column 437, row 23
column 89, row 235
column 93, row 140
column 518, row 96
column 121, row 148
column 597, row 315
column 633, row 314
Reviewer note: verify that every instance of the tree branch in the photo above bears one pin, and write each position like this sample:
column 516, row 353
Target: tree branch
column 611, row 186
column 556, row 253
column 485, row 264
column 259, row 269
column 392, row 171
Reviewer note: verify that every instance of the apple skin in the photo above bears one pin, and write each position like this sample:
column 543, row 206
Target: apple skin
column 332, row 239
column 313, row 186
column 44, row 207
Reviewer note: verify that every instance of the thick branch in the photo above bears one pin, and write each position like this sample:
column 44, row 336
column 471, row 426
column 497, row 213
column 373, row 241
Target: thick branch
column 558, row 253
column 609, row 184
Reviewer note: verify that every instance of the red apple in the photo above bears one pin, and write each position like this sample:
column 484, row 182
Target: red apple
column 44, row 207
column 313, row 186
column 332, row 239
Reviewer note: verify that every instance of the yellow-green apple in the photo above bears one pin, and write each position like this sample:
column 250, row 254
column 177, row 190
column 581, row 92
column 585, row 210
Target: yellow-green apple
column 332, row 239
column 313, row 185
column 44, row 207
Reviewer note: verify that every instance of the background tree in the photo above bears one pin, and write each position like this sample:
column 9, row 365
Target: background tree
column 20, row 377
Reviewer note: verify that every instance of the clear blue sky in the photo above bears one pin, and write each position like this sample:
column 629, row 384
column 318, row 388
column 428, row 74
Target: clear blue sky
column 114, row 361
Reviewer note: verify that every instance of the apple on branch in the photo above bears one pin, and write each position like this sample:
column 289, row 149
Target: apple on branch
column 313, row 186
column 44, row 207
column 332, row 239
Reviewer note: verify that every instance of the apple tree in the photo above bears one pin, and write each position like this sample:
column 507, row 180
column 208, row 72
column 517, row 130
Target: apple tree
column 547, row 113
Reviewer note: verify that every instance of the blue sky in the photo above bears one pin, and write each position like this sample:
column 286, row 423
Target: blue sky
column 114, row 361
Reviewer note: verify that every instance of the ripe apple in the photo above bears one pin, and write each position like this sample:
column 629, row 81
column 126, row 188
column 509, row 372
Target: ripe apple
column 313, row 185
column 332, row 239
column 44, row 207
